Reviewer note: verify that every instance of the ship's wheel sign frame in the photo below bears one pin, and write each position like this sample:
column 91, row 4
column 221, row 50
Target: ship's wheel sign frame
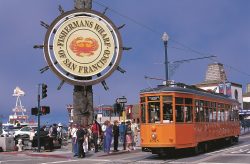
column 82, row 47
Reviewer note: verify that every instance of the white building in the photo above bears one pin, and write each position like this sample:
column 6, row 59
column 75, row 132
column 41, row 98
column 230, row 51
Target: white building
column 216, row 81
column 246, row 96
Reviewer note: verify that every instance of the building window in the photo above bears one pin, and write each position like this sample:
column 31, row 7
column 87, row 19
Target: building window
column 236, row 94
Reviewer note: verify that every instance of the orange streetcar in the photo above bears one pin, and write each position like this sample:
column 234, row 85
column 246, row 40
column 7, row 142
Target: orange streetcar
column 180, row 116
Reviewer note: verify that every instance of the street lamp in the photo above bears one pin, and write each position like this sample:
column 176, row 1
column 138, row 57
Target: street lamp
column 165, row 38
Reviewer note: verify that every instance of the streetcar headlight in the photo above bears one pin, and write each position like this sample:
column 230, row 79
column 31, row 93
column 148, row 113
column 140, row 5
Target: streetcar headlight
column 154, row 136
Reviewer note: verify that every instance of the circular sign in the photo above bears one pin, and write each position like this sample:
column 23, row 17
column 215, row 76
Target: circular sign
column 82, row 47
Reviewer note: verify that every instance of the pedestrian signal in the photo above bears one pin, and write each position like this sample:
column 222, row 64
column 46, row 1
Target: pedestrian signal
column 34, row 111
column 45, row 110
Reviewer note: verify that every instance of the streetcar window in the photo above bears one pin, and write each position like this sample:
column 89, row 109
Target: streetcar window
column 202, row 114
column 218, row 115
column 222, row 115
column 179, row 100
column 143, row 113
column 188, row 113
column 167, row 112
column 214, row 114
column 210, row 115
column 226, row 114
column 142, row 99
column 201, row 103
column 206, row 114
column 230, row 113
column 179, row 113
column 196, row 102
column 188, row 101
column 167, row 98
column 154, row 112
column 197, row 113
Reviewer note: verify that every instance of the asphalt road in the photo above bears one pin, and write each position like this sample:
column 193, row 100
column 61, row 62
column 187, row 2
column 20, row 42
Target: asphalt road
column 237, row 154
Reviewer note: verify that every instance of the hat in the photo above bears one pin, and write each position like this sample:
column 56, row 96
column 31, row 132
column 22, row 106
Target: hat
column 60, row 124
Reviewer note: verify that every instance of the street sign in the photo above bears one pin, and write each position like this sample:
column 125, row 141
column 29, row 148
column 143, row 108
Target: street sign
column 121, row 100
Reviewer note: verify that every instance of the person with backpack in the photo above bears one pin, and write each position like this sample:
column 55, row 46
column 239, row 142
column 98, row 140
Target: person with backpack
column 95, row 133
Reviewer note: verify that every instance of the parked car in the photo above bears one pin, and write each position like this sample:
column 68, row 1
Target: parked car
column 27, row 130
column 7, row 131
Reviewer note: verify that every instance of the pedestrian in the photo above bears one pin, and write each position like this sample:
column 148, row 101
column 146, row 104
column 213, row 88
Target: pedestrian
column 108, row 137
column 74, row 140
column 90, row 137
column 134, row 128
column 95, row 134
column 86, row 140
column 104, row 128
column 122, row 130
column 80, row 134
column 60, row 133
column 69, row 131
column 128, row 137
column 116, row 135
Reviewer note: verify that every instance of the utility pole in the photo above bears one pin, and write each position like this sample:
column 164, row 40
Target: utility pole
column 38, row 119
column 83, row 95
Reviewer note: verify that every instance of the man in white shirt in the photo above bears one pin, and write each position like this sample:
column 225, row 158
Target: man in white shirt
column 74, row 140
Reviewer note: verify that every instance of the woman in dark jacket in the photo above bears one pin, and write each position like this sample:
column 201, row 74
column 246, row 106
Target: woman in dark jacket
column 116, row 135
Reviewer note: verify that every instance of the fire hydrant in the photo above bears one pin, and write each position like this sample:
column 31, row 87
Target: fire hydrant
column 20, row 145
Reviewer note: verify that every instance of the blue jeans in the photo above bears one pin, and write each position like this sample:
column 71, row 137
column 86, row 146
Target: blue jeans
column 75, row 146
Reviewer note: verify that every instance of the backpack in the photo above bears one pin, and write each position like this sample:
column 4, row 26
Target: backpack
column 95, row 128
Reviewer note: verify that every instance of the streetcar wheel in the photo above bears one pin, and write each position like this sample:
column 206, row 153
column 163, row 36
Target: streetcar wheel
column 205, row 147
column 195, row 150
column 162, row 155
column 236, row 139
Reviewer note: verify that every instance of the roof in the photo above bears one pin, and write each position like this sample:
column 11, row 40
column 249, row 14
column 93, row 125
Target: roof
column 246, row 94
column 215, row 82
column 182, row 88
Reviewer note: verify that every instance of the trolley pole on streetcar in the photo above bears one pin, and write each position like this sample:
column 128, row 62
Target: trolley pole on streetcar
column 165, row 39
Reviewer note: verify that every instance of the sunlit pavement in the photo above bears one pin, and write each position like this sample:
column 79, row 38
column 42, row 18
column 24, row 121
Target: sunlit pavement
column 65, row 153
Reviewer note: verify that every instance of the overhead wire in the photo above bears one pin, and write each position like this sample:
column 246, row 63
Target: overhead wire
column 177, row 42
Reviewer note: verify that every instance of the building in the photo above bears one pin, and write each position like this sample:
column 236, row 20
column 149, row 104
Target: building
column 108, row 112
column 216, row 81
column 246, row 96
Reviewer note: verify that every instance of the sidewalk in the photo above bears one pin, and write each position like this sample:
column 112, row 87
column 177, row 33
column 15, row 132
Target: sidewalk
column 244, row 131
column 65, row 153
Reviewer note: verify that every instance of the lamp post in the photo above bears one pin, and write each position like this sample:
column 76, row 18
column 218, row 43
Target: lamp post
column 165, row 38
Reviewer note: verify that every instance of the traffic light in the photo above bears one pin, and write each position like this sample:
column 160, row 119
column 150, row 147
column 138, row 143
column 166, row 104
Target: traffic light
column 34, row 111
column 44, row 91
column 45, row 110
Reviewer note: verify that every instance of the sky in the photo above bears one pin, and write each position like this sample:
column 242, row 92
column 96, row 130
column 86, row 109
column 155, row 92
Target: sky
column 196, row 29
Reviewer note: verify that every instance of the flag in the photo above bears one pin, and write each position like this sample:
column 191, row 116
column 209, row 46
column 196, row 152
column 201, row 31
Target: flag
column 221, row 88
column 228, row 89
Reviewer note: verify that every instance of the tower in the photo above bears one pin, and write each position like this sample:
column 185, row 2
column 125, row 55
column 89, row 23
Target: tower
column 215, row 73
